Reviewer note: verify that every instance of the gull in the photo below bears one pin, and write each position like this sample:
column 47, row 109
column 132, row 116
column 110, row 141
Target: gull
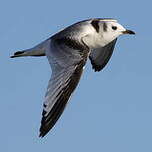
column 67, row 52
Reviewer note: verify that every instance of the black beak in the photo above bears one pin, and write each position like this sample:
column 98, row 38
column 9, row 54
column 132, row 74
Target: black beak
column 128, row 32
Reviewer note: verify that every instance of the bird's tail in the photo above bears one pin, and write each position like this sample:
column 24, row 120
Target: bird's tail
column 38, row 50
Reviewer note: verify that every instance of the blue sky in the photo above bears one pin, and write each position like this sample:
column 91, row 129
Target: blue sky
column 110, row 111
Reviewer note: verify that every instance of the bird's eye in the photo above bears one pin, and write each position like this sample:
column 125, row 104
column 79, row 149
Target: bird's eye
column 114, row 27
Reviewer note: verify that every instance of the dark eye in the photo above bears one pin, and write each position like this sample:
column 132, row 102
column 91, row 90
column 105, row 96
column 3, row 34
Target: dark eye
column 114, row 27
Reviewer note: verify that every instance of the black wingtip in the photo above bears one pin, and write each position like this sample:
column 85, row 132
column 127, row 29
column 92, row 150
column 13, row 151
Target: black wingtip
column 43, row 133
column 17, row 54
column 41, row 136
column 96, row 67
column 12, row 56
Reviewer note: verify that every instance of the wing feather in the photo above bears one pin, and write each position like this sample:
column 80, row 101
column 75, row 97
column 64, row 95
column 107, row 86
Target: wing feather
column 100, row 57
column 67, row 66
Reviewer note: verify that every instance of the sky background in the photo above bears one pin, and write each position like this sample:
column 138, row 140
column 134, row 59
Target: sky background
column 110, row 111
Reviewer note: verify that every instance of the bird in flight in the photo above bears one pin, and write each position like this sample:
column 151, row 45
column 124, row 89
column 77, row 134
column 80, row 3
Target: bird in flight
column 67, row 52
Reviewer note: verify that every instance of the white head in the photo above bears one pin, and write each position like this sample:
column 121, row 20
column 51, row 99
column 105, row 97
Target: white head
column 111, row 29
column 105, row 31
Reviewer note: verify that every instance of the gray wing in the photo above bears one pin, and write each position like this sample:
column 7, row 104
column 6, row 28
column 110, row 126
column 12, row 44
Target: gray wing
column 100, row 57
column 67, row 66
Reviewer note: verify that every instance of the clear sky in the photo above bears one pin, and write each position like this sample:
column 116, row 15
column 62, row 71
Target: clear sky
column 110, row 111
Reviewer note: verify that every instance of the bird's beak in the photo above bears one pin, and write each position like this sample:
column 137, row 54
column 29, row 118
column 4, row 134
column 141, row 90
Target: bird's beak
column 128, row 32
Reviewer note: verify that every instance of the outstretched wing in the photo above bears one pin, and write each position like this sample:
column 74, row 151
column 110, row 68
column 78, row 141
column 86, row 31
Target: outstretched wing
column 67, row 59
column 100, row 57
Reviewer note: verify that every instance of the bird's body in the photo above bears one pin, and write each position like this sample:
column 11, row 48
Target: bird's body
column 67, row 52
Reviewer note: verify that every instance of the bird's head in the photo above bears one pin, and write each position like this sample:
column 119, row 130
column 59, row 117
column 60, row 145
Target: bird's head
column 111, row 29
column 104, row 31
